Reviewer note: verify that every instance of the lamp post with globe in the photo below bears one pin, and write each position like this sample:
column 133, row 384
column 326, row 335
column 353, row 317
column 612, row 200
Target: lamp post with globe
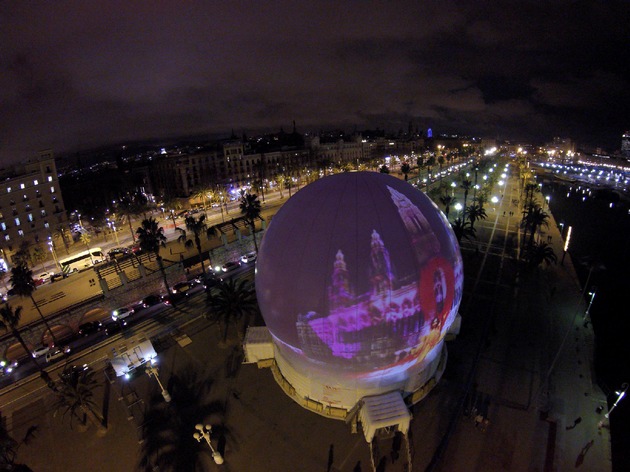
column 620, row 394
column 204, row 432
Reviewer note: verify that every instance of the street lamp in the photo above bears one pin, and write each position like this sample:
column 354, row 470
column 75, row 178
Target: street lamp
column 621, row 393
column 204, row 432
column 548, row 198
column 588, row 308
column 566, row 244
column 152, row 371
column 453, row 185
column 51, row 246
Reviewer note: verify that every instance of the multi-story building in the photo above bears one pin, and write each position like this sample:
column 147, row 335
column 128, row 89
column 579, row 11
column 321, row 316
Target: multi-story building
column 31, row 205
column 180, row 175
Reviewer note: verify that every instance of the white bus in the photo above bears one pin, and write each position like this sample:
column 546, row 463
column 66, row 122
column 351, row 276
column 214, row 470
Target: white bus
column 81, row 261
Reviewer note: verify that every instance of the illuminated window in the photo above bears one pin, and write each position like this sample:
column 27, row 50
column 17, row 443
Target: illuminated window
column 35, row 182
column 52, row 189
column 50, row 178
column 22, row 186
column 17, row 222
column 8, row 189
column 7, row 237
column 20, row 232
column 30, row 217
column 43, row 212
column 46, row 225
column 3, row 226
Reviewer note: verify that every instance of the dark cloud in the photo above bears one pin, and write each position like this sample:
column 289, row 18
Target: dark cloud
column 79, row 74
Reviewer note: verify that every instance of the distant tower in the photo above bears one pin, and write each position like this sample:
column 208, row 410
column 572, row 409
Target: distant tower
column 339, row 293
column 429, row 133
column 625, row 144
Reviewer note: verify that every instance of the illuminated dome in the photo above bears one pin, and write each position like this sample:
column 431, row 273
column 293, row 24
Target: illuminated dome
column 358, row 278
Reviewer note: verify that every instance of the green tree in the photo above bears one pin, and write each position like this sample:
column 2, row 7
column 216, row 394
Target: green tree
column 9, row 321
column 231, row 302
column 76, row 397
column 23, row 285
column 151, row 238
column 167, row 428
column 39, row 254
column 280, row 179
column 250, row 209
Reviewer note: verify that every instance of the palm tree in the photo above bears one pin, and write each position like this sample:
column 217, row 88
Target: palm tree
column 466, row 186
column 167, row 427
column 447, row 200
column 232, row 301
column 280, row 179
column 535, row 217
column 541, row 253
column 62, row 233
column 76, row 397
column 131, row 206
column 85, row 239
column 151, row 238
column 23, row 285
column 9, row 449
column 250, row 209
column 9, row 321
column 405, row 168
column 476, row 212
column 463, row 229
column 384, row 169
column 197, row 226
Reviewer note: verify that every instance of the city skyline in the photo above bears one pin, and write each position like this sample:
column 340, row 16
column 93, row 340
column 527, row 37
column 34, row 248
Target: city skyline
column 74, row 76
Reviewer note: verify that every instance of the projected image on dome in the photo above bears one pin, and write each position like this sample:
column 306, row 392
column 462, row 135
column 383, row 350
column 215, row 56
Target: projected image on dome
column 361, row 273
column 379, row 326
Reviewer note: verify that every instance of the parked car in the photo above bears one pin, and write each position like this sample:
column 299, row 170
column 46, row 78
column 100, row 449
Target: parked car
column 249, row 257
column 90, row 327
column 7, row 366
column 230, row 266
column 57, row 353
column 173, row 298
column 121, row 313
column 151, row 300
column 40, row 351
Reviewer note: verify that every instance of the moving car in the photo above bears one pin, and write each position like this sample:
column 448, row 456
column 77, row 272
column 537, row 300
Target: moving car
column 230, row 266
column 114, row 327
column 249, row 257
column 40, row 351
column 182, row 287
column 42, row 278
column 210, row 280
column 121, row 313
column 118, row 252
column 57, row 353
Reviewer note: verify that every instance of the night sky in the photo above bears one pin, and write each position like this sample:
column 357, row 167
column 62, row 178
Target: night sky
column 74, row 75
